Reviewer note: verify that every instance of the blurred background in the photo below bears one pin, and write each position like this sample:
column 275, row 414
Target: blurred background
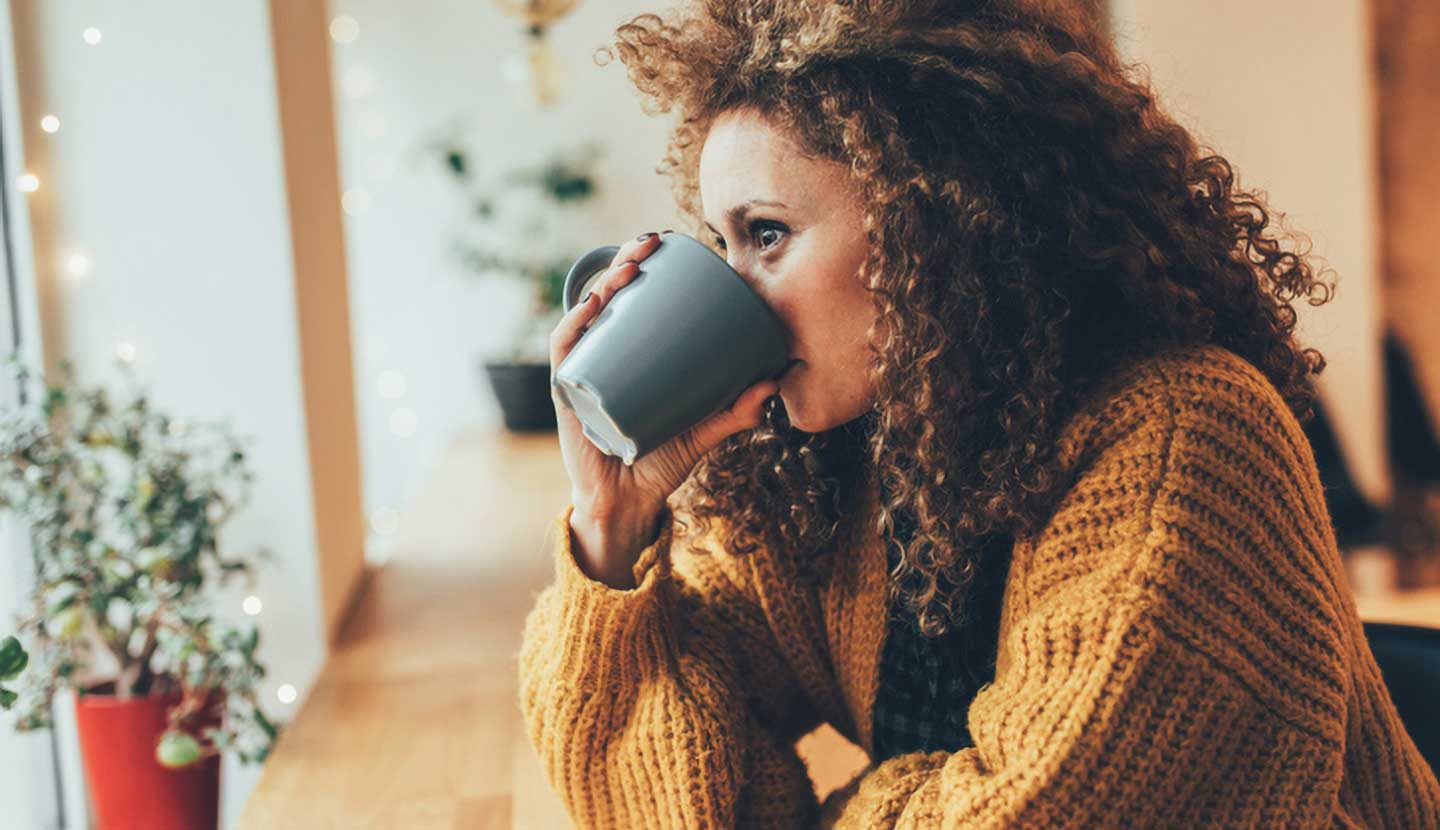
column 339, row 228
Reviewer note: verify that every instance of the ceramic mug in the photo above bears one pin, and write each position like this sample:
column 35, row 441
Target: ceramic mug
column 676, row 344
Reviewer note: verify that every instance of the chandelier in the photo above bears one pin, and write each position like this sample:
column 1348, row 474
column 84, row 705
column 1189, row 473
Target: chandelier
column 542, row 72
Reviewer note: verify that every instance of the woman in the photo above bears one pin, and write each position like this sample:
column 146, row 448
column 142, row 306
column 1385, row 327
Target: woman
column 1030, row 517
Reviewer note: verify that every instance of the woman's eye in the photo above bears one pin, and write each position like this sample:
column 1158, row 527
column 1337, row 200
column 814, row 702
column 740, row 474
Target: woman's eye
column 766, row 235
column 759, row 231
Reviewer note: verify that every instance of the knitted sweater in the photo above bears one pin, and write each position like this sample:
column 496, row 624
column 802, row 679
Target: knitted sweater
column 1178, row 648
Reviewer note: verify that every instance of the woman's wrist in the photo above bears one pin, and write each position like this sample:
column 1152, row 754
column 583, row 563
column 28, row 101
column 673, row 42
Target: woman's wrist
column 607, row 545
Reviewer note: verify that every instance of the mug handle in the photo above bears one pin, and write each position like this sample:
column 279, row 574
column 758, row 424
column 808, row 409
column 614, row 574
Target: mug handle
column 584, row 268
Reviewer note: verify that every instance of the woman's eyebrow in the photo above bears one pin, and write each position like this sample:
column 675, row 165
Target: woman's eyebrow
column 734, row 213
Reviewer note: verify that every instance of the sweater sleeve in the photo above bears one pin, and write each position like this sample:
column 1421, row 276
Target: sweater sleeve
column 1173, row 649
column 667, row 705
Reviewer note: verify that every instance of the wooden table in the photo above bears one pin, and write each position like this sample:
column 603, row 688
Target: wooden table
column 1418, row 607
column 414, row 721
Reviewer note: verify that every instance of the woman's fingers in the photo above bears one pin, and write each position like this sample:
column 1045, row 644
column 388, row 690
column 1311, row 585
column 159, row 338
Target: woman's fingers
column 637, row 248
column 569, row 329
column 617, row 276
column 669, row 465
column 745, row 412
column 623, row 268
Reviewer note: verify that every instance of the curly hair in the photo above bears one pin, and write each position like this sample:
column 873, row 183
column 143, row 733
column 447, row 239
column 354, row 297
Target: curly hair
column 1034, row 219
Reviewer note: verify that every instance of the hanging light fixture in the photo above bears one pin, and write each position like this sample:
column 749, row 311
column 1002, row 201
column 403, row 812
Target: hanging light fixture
column 544, row 75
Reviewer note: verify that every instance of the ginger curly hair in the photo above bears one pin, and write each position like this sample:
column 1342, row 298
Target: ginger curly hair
column 1034, row 219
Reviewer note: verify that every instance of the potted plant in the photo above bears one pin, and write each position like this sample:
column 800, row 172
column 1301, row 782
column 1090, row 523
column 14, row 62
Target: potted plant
column 124, row 504
column 514, row 231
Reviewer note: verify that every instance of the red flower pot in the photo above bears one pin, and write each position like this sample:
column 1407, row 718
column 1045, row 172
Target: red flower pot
column 129, row 789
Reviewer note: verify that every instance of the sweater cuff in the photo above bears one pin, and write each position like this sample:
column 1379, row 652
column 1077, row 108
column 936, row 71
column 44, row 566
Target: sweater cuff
column 614, row 633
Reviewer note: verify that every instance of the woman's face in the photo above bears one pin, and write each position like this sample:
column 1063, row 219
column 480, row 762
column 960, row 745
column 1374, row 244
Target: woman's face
column 791, row 226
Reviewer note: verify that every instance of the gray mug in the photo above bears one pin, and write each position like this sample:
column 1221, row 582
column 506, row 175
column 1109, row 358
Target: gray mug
column 676, row 344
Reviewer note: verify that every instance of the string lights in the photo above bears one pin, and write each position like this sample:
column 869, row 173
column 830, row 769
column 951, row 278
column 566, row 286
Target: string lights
column 355, row 201
column 344, row 29
column 77, row 265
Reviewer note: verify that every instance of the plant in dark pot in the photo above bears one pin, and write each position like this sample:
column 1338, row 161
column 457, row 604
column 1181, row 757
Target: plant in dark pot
column 123, row 504
column 514, row 232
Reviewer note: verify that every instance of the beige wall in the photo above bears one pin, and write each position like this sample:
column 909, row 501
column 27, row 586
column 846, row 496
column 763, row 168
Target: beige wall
column 1284, row 90
column 312, row 177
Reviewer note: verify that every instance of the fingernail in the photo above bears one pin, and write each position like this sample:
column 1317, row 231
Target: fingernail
column 588, row 295
column 644, row 236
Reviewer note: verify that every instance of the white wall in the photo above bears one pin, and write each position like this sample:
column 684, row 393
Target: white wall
column 166, row 173
column 1284, row 90
column 27, row 760
column 414, row 310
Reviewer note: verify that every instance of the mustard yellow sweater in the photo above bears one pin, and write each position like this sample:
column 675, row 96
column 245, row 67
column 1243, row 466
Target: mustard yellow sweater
column 1179, row 648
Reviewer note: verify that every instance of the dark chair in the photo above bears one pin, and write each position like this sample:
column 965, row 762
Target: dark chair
column 1411, row 434
column 1357, row 521
column 1409, row 660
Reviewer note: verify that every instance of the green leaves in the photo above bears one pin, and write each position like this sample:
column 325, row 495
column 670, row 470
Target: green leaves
column 67, row 623
column 61, row 597
column 545, row 193
column 265, row 724
column 566, row 185
column 455, row 160
column 13, row 660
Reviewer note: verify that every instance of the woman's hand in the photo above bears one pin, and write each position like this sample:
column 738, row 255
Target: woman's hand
column 616, row 507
